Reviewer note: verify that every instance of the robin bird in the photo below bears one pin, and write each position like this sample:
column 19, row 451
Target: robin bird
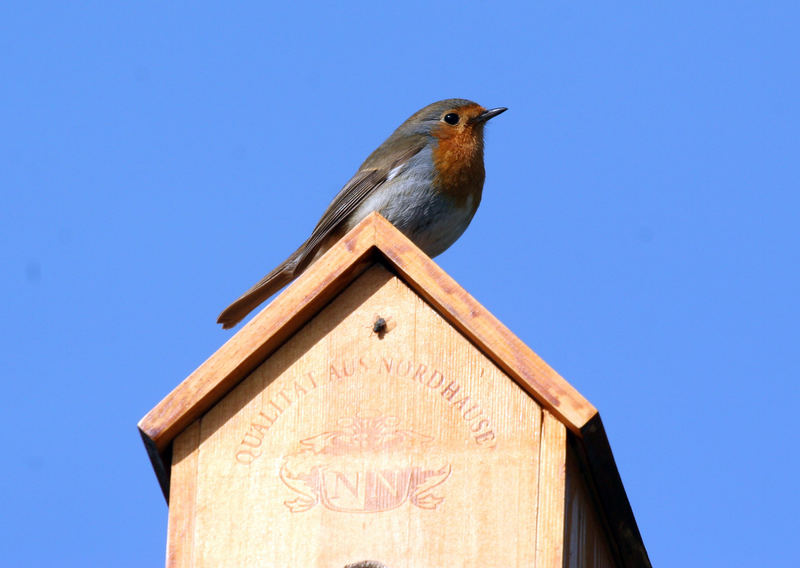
column 426, row 179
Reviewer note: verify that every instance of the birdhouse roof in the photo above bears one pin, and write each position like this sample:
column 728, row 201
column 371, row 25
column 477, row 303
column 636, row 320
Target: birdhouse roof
column 376, row 241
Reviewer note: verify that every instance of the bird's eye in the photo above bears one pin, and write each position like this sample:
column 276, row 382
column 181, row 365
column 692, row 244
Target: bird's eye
column 451, row 118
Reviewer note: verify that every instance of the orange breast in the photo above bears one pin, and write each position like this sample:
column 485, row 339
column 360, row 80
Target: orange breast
column 458, row 158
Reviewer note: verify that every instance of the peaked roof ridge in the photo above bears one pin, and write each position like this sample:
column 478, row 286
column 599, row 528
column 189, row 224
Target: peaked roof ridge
column 323, row 280
column 371, row 241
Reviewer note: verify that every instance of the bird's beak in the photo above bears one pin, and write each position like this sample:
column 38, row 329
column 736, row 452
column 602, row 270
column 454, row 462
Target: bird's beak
column 487, row 114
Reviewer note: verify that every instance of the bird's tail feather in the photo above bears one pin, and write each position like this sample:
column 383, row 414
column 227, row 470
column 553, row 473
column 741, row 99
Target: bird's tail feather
column 265, row 288
column 287, row 271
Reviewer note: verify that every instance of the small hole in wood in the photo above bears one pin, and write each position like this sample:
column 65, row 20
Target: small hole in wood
column 380, row 327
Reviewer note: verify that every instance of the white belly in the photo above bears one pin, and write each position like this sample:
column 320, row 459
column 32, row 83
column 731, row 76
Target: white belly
column 408, row 201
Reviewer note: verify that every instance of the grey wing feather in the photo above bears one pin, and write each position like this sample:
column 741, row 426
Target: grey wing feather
column 353, row 194
column 350, row 197
column 347, row 200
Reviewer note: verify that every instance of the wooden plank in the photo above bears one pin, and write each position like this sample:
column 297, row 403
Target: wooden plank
column 587, row 543
column 550, row 514
column 372, row 238
column 161, row 462
column 285, row 456
column 485, row 330
column 500, row 492
column 376, row 240
column 603, row 476
column 182, row 501
column 273, row 325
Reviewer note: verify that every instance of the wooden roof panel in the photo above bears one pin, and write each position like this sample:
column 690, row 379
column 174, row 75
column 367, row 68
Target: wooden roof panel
column 373, row 241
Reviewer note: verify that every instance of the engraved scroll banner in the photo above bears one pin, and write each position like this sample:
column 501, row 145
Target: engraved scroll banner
column 367, row 465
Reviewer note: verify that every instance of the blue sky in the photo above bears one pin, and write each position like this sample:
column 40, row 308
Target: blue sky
column 638, row 230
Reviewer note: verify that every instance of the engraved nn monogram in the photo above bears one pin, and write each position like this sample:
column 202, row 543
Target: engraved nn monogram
column 368, row 465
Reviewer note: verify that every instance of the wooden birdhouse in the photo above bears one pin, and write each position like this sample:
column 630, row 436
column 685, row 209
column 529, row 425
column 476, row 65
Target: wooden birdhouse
column 375, row 411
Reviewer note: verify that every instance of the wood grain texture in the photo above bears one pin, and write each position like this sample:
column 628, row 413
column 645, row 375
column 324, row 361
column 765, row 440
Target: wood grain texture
column 594, row 452
column 247, row 348
column 586, row 542
column 211, row 389
column 182, row 503
column 485, row 330
column 286, row 458
column 373, row 239
column 550, row 517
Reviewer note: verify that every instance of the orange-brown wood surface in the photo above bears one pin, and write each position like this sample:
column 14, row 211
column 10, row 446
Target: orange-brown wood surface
column 550, row 515
column 413, row 449
column 477, row 323
column 373, row 239
column 182, row 509
column 257, row 438
column 264, row 333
